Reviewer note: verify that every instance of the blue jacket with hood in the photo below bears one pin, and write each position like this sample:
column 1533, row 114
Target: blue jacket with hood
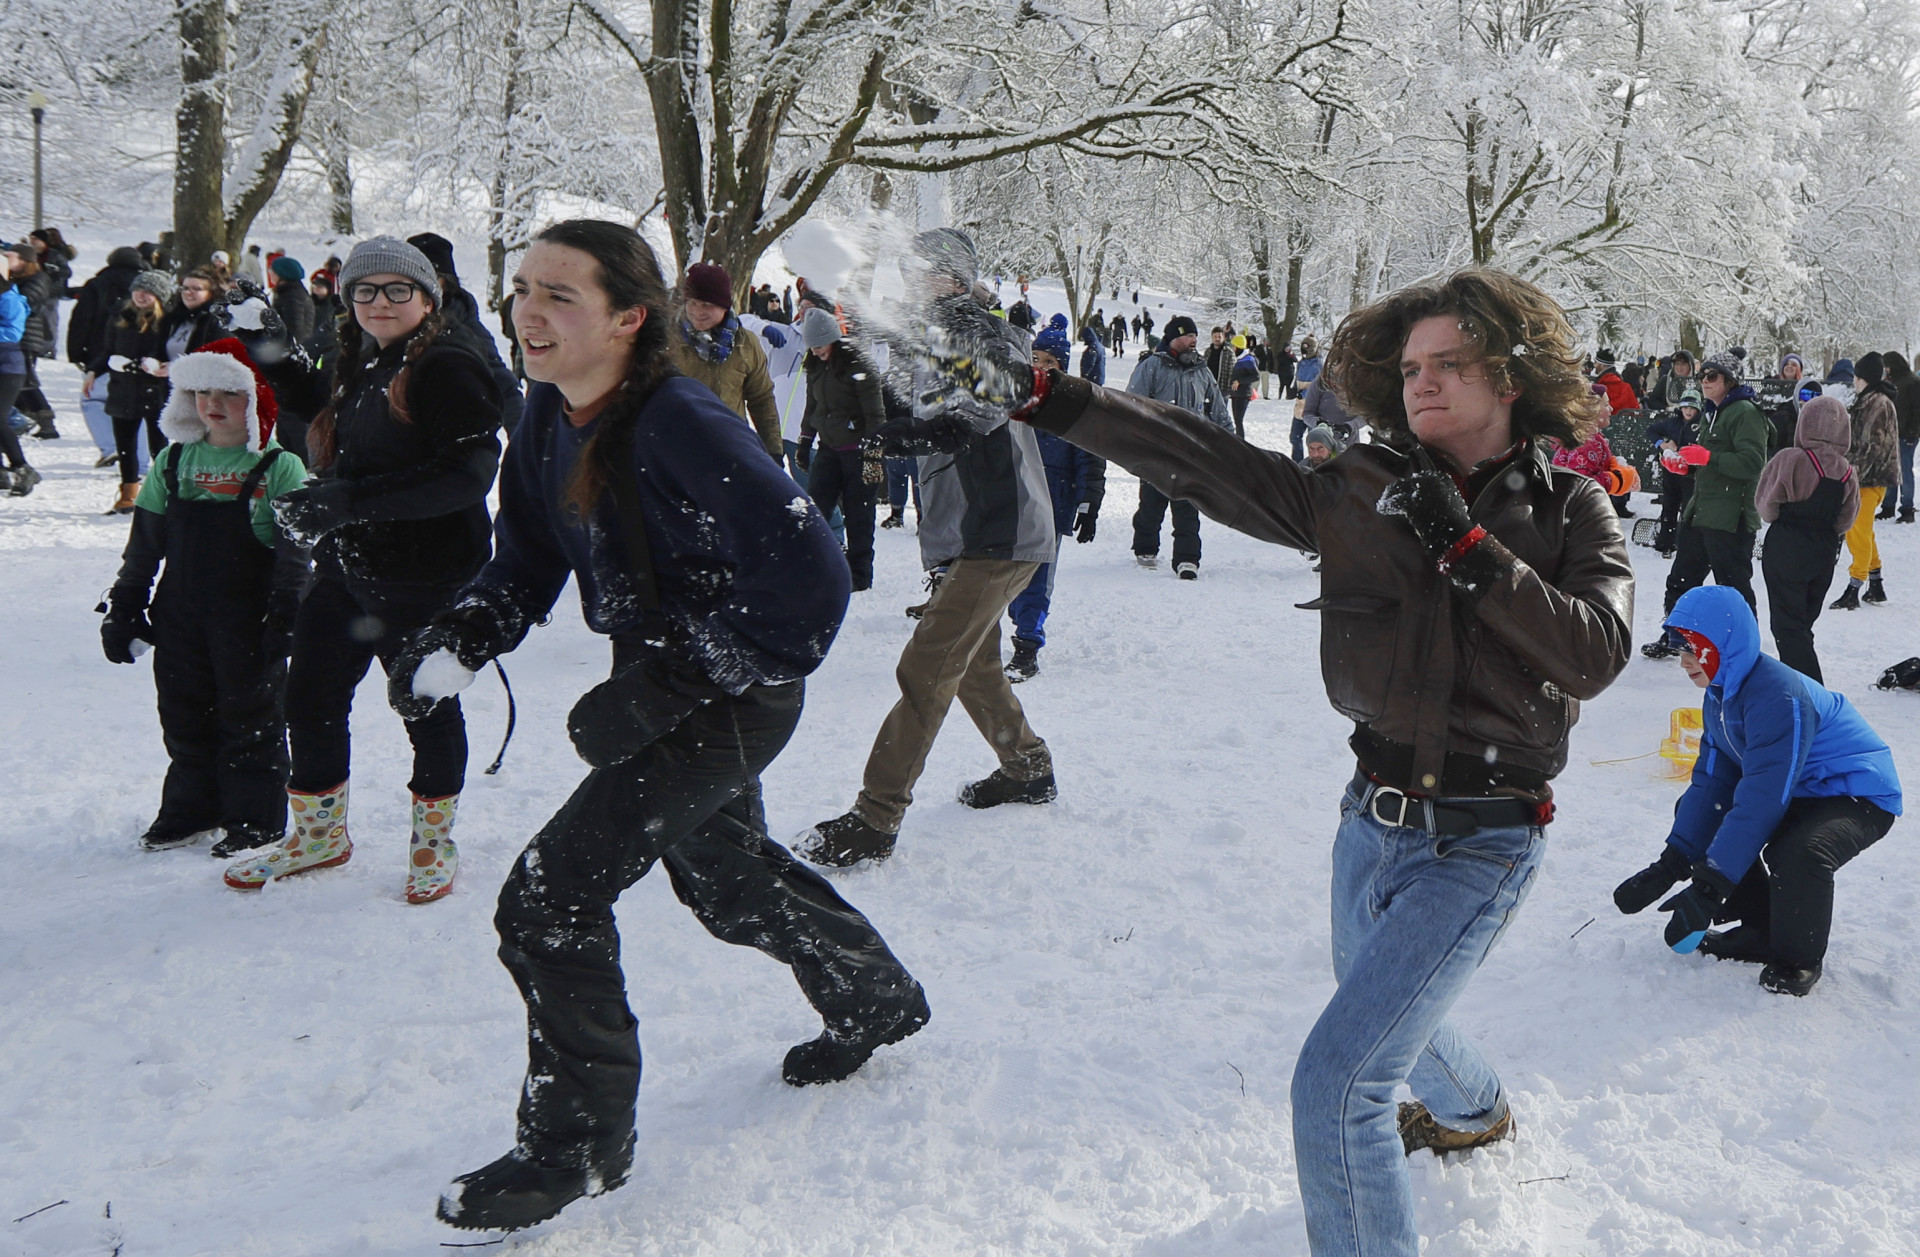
column 1770, row 735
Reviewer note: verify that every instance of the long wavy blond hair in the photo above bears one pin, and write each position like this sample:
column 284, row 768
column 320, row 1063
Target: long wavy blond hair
column 1515, row 332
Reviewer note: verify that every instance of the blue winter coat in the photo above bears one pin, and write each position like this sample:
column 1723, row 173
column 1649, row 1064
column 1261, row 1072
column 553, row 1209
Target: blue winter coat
column 1770, row 736
column 1073, row 476
column 1093, row 358
column 13, row 316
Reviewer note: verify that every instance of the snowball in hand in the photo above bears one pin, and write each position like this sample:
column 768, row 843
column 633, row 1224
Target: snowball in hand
column 247, row 314
column 821, row 254
column 440, row 676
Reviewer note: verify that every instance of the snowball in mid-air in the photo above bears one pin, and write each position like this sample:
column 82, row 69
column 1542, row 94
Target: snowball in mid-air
column 440, row 676
column 821, row 254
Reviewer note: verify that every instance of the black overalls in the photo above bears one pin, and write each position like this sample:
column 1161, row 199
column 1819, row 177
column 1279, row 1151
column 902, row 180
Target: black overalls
column 220, row 708
column 1798, row 560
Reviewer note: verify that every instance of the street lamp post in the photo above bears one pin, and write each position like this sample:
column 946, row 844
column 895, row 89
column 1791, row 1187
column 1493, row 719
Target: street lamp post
column 37, row 102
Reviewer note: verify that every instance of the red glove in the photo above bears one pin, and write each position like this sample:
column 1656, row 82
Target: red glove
column 1672, row 461
column 1696, row 455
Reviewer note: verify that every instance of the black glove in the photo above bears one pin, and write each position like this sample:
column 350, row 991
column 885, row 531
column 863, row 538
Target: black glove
column 1433, row 506
column 1695, row 907
column 307, row 514
column 1084, row 521
column 1638, row 892
column 624, row 715
column 900, row 438
column 120, row 629
column 260, row 328
column 473, row 634
column 804, row 455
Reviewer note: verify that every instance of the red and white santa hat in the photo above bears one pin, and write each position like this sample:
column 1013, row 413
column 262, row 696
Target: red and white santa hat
column 223, row 366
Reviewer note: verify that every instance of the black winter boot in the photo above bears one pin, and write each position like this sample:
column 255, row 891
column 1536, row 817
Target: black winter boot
column 1848, row 601
column 1025, row 664
column 1748, row 944
column 1784, row 979
column 1660, row 648
column 1906, row 515
column 517, row 1191
column 998, row 788
column 833, row 1057
column 844, row 841
column 1886, row 508
column 240, row 838
column 897, row 518
column 165, row 836
column 1876, row 592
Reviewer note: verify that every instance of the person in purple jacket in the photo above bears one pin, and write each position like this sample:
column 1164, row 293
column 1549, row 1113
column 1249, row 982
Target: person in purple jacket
column 721, row 588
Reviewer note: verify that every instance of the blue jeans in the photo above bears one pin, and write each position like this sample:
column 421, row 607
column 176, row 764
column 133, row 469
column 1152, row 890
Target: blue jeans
column 1906, row 474
column 93, row 409
column 1413, row 917
column 1295, row 435
column 1029, row 610
column 903, row 475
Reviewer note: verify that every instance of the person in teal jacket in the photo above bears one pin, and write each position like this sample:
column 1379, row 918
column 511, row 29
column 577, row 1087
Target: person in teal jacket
column 1791, row 784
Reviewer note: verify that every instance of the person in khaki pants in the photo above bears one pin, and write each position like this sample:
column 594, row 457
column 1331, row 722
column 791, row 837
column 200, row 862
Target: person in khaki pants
column 987, row 518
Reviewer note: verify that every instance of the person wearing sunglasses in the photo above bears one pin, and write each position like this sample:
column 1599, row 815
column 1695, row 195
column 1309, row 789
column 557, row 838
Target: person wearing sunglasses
column 405, row 444
column 1719, row 521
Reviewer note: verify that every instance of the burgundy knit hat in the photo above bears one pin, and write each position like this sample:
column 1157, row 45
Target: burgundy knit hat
column 711, row 284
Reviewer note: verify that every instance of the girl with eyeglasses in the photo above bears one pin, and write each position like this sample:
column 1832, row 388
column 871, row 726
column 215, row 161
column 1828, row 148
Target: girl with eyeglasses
column 404, row 449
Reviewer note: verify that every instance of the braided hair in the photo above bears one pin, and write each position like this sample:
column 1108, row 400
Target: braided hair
column 350, row 366
column 629, row 277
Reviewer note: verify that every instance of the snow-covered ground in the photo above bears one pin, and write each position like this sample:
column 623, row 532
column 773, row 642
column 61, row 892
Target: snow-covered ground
column 1120, row 981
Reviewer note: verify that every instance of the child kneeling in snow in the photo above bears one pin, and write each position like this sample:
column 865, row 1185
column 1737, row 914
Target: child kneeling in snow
column 222, row 617
column 1787, row 768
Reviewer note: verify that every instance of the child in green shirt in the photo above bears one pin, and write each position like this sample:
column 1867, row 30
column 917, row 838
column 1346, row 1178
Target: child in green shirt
column 222, row 617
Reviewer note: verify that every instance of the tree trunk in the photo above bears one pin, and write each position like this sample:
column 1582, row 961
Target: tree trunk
column 335, row 154
column 499, row 193
column 671, row 77
column 200, row 129
column 264, row 158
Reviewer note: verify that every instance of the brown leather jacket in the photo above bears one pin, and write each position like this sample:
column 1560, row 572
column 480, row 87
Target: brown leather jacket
column 1453, row 692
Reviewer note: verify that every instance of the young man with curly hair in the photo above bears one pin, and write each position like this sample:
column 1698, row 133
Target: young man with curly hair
column 1472, row 595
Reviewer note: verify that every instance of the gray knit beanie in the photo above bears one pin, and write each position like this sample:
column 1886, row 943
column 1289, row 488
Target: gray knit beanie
column 387, row 255
column 1726, row 364
column 159, row 283
column 950, row 252
column 818, row 328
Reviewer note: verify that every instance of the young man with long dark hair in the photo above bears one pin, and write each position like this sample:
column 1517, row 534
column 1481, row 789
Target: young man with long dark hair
column 1471, row 595
column 721, row 589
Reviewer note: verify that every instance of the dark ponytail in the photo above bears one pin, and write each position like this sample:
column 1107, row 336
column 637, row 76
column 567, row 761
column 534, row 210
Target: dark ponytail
column 629, row 277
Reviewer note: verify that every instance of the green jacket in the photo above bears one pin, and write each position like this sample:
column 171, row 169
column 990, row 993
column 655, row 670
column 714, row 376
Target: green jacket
column 1736, row 435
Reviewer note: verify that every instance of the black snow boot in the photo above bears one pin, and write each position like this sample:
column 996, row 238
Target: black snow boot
column 1025, row 664
column 833, row 1057
column 1906, row 515
column 1660, row 648
column 998, row 788
column 1749, row 944
column 1876, row 592
column 1887, row 508
column 240, row 838
column 517, row 1191
column 844, row 841
column 1848, row 601
column 1784, row 979
column 897, row 518
column 166, row 836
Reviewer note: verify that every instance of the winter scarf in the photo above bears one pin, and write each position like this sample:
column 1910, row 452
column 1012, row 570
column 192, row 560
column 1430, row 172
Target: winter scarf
column 712, row 346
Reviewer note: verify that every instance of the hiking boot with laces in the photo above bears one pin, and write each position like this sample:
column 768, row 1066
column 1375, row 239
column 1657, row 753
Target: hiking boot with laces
column 843, row 842
column 1848, row 601
column 1418, row 1130
column 998, row 788
column 1876, row 592
column 1025, row 664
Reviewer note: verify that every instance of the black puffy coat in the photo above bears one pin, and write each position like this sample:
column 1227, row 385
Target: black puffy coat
column 43, row 313
column 131, row 392
column 294, row 304
column 463, row 322
column 101, row 299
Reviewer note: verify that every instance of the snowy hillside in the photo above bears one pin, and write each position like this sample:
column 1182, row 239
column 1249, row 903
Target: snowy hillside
column 1120, row 981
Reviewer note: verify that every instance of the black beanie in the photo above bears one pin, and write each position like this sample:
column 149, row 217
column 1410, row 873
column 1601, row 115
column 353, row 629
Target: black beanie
column 439, row 251
column 1870, row 368
column 1177, row 326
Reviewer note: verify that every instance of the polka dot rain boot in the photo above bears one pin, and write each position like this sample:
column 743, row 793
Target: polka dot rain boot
column 432, row 859
column 316, row 839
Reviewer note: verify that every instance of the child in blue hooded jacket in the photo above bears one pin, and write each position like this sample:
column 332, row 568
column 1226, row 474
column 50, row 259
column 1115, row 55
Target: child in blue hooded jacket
column 1791, row 784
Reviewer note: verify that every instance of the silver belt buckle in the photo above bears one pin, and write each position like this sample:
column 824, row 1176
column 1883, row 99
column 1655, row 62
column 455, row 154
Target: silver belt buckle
column 1373, row 805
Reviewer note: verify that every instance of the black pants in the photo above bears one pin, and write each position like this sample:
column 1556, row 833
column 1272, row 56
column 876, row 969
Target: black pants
column 1674, row 494
column 1186, row 525
column 1789, row 891
column 220, row 716
column 1798, row 568
column 1698, row 551
column 835, row 479
column 10, row 385
column 126, row 440
column 692, row 802
column 336, row 636
column 1240, row 405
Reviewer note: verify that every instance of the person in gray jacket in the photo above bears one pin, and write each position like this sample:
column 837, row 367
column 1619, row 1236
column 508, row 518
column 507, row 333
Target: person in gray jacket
column 986, row 517
column 1175, row 374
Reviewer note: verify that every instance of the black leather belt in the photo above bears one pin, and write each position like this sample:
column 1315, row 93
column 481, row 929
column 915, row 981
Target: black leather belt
column 1453, row 817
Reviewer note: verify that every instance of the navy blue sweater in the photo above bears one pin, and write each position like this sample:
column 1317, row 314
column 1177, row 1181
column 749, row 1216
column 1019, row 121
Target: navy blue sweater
column 749, row 575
